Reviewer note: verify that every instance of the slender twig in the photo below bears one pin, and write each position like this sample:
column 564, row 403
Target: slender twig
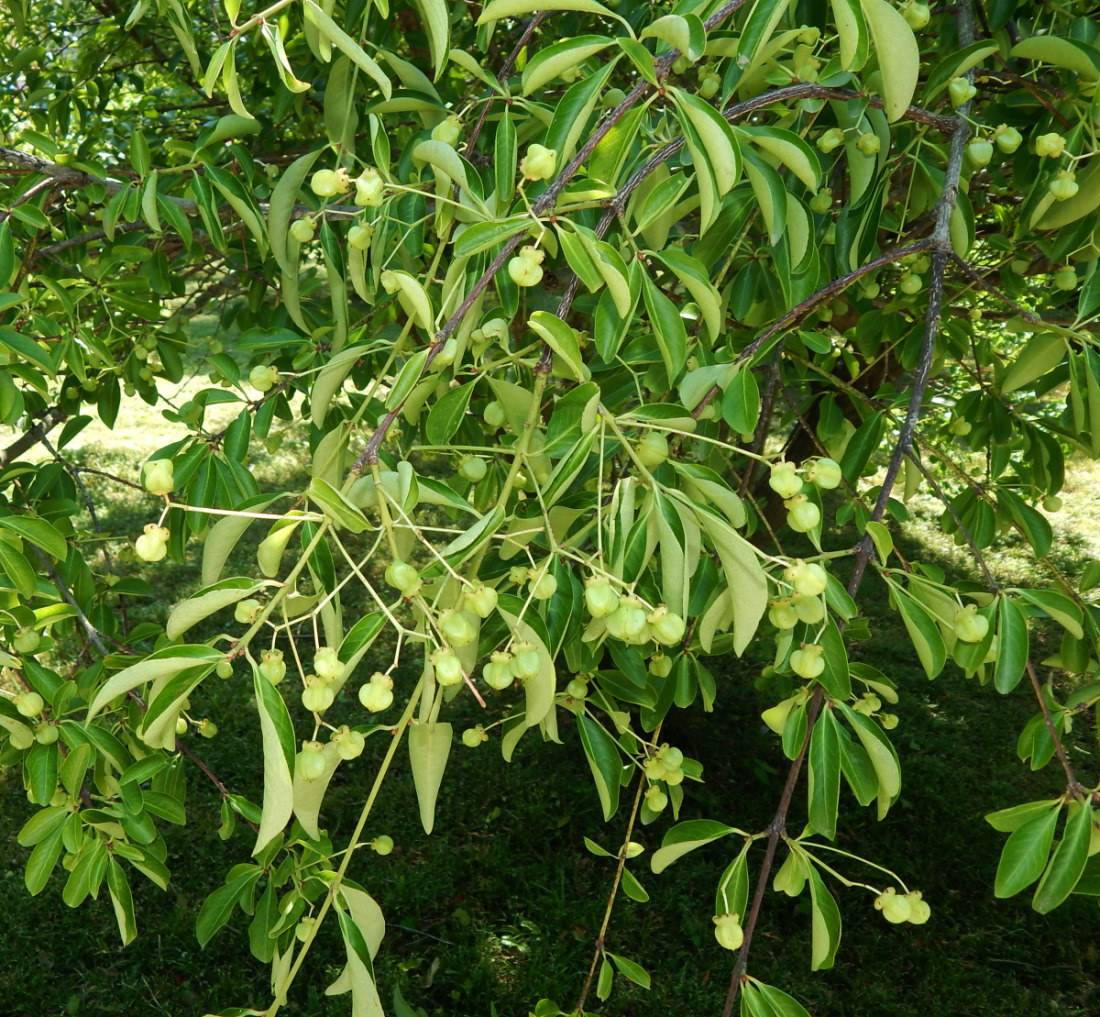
column 46, row 423
column 939, row 244
column 93, row 633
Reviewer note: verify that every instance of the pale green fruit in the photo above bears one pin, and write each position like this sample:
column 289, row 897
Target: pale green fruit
column 970, row 626
column 375, row 696
column 782, row 615
column 825, row 473
column 382, row 845
column 808, row 662
column 668, row 627
column 656, row 799
column 181, row 726
column 810, row 610
column 652, row 450
column 660, row 666
column 472, row 737
column 272, row 666
column 448, row 668
column 526, row 660
column 728, row 931
column 807, row 578
column 894, row 909
column 802, row 514
column 327, row 664
column 480, row 601
column 784, row 481
column 246, row 611
column 543, row 586
column 1050, row 145
column 349, row 744
column 304, row 929
column 473, row 469
column 919, row 911
column 628, row 621
column 599, row 597
column 152, row 545
column 402, row 576
column 224, row 669
column 368, row 189
column 26, row 640
column 317, row 696
column 207, row 728
column 46, row 734
column 577, row 688
column 309, row 764
column 776, row 716
column 158, row 477
column 498, row 672
column 302, row 230
column 539, row 162
column 457, row 628
column 326, row 183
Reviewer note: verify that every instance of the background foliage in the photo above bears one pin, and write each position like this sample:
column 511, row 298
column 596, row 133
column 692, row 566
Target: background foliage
column 577, row 370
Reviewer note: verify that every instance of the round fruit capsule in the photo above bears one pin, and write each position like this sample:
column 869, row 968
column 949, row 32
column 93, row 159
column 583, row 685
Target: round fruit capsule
column 457, row 628
column 327, row 664
column 472, row 737
column 652, row 450
column 26, row 640
column 526, row 660
column 543, row 585
column 480, row 601
column 1065, row 278
column 1064, row 185
column 802, row 514
column 349, row 744
column 960, row 91
column 781, row 614
column 979, row 152
column 382, row 845
column 318, row 695
column 599, row 596
column 807, row 661
column 473, row 469
column 1007, row 139
column 28, row 704
column 784, row 480
column 807, row 578
column 152, row 545
column 302, row 230
column 831, row 139
column 869, row 143
column 668, row 627
column 158, row 476
column 402, row 576
column 919, row 911
column 539, row 162
column 825, row 473
column 970, row 626
column 272, row 666
column 894, row 909
column 1050, row 145
column 448, row 668
column 498, row 671
column 728, row 931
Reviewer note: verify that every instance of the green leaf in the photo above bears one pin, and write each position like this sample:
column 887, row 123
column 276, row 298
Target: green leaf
column 1009, row 820
column 500, row 9
column 631, row 969
column 208, row 601
column 1042, row 354
column 668, row 327
column 732, row 894
column 562, row 340
column 277, row 732
column 898, row 55
column 435, row 15
column 43, row 858
column 632, row 888
column 606, row 979
column 348, row 46
column 1059, row 607
column 1068, row 862
column 852, row 30
column 1026, row 853
column 217, row 909
column 695, row 280
column 429, row 747
column 782, row 1004
column 39, row 532
column 161, row 665
column 122, row 901
column 336, row 506
column 551, row 62
column 824, row 779
column 825, row 923
column 446, row 415
column 1012, row 646
column 602, row 752
column 883, row 757
column 573, row 111
column 685, row 837
column 923, row 631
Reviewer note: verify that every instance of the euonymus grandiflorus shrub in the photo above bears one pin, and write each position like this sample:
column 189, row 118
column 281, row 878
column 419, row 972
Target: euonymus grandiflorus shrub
column 621, row 337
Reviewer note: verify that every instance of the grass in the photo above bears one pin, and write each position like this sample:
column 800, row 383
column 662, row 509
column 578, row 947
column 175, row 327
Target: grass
column 503, row 903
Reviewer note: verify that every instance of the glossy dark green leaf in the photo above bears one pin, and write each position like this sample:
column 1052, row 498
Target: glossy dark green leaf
column 1068, row 861
column 1025, row 853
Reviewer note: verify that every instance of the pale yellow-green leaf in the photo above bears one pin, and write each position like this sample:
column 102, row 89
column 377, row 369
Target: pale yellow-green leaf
column 145, row 671
column 347, row 45
column 278, row 800
column 898, row 55
column 429, row 747
column 308, row 794
column 1042, row 354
